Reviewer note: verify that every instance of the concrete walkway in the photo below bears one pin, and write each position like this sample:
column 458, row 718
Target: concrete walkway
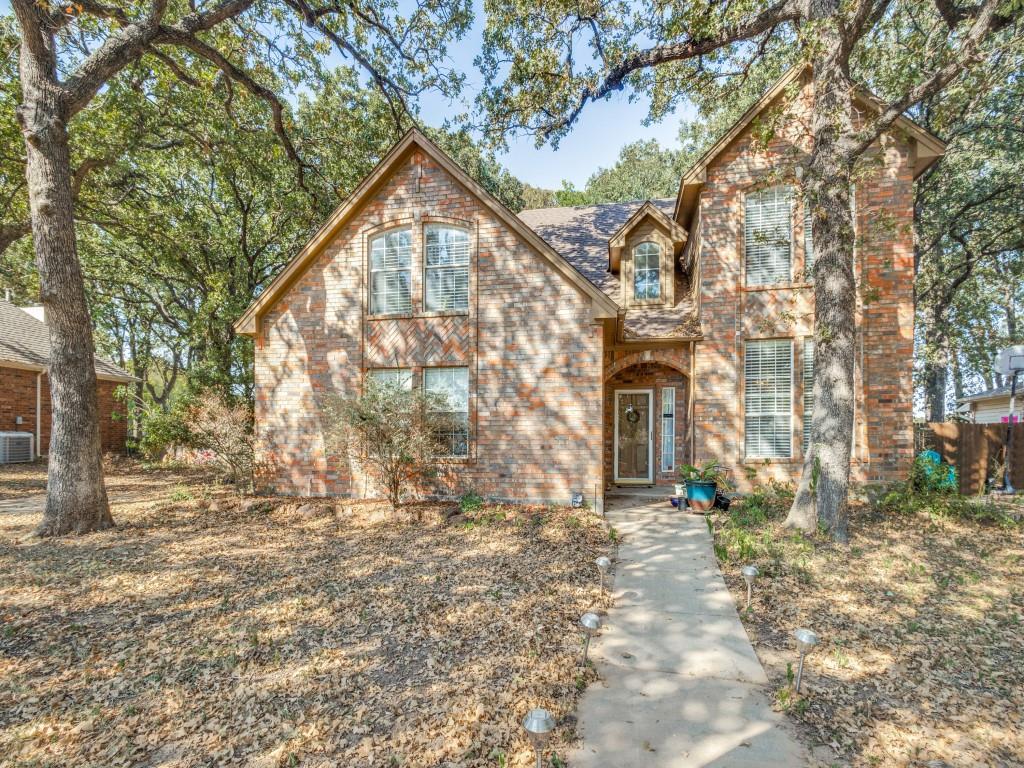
column 681, row 685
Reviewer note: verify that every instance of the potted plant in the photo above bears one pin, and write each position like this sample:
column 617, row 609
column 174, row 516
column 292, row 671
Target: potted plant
column 702, row 483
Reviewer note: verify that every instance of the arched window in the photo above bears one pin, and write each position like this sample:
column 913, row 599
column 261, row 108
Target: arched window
column 768, row 234
column 647, row 271
column 446, row 269
column 391, row 272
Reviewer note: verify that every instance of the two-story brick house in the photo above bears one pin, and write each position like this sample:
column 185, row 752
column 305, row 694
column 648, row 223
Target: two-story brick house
column 598, row 345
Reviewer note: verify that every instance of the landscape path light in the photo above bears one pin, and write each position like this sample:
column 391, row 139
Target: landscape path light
column 590, row 623
column 603, row 564
column 538, row 725
column 750, row 573
column 805, row 641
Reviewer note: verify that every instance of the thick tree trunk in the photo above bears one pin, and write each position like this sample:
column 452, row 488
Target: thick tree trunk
column 76, row 499
column 824, row 483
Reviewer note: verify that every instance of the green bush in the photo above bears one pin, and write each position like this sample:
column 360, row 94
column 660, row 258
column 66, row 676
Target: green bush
column 906, row 498
column 470, row 501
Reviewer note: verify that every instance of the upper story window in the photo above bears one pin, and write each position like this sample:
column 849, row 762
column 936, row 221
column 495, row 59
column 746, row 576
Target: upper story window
column 768, row 235
column 647, row 271
column 391, row 272
column 446, row 269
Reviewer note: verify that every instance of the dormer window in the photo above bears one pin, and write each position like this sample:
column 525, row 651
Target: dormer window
column 647, row 271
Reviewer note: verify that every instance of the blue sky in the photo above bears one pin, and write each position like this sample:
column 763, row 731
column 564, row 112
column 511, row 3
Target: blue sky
column 602, row 130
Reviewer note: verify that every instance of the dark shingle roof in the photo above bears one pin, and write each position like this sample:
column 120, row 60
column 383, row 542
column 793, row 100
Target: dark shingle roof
column 25, row 341
column 581, row 234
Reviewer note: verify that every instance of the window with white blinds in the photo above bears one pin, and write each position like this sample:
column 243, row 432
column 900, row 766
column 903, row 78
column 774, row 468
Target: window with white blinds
column 446, row 268
column 668, row 429
column 768, row 400
column 395, row 377
column 808, row 390
column 453, row 384
column 390, row 272
column 768, row 232
column 647, row 271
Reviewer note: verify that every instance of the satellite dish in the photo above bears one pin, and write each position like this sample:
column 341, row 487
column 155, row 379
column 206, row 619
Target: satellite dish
column 1010, row 361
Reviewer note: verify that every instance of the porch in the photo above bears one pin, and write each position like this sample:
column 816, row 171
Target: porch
column 647, row 420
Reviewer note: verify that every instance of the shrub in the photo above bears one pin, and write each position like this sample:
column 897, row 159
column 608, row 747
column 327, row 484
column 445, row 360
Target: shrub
column 395, row 434
column 470, row 501
column 225, row 430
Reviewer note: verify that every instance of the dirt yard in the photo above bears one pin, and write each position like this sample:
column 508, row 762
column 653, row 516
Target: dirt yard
column 204, row 631
column 921, row 620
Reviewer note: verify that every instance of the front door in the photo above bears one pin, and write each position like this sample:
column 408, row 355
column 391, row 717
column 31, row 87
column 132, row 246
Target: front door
column 634, row 436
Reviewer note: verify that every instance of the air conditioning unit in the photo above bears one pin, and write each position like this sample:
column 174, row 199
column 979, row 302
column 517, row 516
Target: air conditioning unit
column 16, row 447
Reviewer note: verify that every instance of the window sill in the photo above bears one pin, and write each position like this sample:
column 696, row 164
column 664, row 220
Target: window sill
column 766, row 461
column 791, row 286
column 444, row 313
column 417, row 315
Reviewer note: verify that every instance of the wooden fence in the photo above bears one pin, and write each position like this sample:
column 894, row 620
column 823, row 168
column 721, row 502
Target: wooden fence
column 976, row 450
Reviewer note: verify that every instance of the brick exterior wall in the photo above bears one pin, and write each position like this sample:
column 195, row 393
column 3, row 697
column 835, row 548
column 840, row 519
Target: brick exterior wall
column 18, row 398
column 533, row 352
column 732, row 314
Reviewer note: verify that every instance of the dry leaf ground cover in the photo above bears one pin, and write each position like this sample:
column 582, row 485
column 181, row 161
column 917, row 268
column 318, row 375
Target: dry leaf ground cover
column 287, row 633
column 921, row 619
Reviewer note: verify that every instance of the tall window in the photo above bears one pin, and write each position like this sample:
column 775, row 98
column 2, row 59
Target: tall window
column 446, row 268
column 647, row 271
column 808, row 390
column 668, row 429
column 768, row 235
column 398, row 377
column 453, row 383
column 768, row 374
column 390, row 275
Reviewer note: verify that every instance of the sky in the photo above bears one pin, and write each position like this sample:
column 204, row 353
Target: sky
column 601, row 131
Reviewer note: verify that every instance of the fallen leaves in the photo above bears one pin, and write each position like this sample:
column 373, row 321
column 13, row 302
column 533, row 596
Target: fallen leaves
column 922, row 655
column 260, row 635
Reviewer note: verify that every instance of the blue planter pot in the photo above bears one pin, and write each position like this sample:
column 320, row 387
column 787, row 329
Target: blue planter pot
column 700, row 494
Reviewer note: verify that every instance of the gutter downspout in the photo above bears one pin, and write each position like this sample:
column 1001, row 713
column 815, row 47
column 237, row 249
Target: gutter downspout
column 39, row 413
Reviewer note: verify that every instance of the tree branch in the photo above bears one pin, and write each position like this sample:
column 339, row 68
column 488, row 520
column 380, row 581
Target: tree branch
column 614, row 78
column 970, row 52
column 180, row 37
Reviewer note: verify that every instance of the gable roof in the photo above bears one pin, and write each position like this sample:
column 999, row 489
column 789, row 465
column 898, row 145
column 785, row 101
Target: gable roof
column 25, row 343
column 581, row 234
column 248, row 323
column 929, row 146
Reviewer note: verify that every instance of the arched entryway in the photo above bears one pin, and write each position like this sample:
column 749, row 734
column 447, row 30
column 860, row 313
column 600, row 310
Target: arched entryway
column 646, row 424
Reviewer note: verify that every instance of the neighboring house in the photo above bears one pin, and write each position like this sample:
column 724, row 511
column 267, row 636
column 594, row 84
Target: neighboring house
column 993, row 405
column 25, row 387
column 598, row 345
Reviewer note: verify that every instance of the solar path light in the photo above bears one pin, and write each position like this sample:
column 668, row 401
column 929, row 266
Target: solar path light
column 603, row 564
column 750, row 573
column 590, row 623
column 538, row 725
column 805, row 641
